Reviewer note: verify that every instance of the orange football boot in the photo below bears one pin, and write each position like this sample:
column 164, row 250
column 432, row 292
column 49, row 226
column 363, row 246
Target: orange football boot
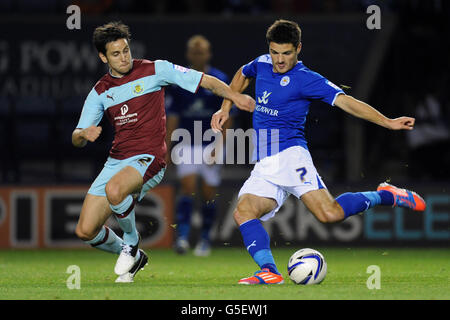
column 263, row 276
column 404, row 198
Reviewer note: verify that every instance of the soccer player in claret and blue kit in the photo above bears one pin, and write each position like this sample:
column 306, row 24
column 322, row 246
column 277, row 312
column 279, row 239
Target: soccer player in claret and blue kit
column 131, row 95
column 284, row 88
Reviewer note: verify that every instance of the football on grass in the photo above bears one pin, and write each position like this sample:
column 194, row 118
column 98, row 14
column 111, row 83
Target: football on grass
column 307, row 266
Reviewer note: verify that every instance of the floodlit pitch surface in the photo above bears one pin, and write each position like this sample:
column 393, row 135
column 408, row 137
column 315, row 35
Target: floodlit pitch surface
column 403, row 274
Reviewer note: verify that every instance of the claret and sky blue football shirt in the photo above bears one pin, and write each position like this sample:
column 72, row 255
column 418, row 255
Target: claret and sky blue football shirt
column 134, row 105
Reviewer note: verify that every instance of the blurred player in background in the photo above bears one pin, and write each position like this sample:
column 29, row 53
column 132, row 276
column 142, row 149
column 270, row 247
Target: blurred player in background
column 284, row 89
column 131, row 95
column 183, row 108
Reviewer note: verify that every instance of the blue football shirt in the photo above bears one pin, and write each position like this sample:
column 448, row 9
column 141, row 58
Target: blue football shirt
column 282, row 104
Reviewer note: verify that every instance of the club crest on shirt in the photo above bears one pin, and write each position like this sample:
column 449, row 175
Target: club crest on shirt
column 285, row 81
column 138, row 88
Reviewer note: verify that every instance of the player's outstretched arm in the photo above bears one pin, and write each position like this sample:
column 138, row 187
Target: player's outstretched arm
column 238, row 84
column 220, row 88
column 364, row 111
column 80, row 137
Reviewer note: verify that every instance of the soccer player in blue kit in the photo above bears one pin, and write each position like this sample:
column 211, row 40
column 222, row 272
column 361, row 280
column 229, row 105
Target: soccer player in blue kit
column 186, row 110
column 284, row 88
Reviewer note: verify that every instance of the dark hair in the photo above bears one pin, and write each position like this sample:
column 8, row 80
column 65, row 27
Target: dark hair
column 109, row 32
column 284, row 31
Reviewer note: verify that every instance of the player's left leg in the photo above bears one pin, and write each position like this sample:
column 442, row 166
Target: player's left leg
column 329, row 210
column 323, row 206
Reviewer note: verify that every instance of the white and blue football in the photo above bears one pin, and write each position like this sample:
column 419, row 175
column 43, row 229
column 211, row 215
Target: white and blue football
column 307, row 266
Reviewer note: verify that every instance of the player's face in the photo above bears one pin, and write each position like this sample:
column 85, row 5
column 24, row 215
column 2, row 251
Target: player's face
column 118, row 57
column 198, row 55
column 284, row 56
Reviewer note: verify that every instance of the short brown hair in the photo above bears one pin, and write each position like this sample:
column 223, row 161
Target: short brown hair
column 284, row 31
column 196, row 39
column 109, row 32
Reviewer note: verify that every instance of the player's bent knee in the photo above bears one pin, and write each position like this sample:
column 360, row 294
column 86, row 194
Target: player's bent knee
column 328, row 212
column 84, row 233
column 237, row 216
column 325, row 217
column 329, row 216
column 113, row 193
column 242, row 214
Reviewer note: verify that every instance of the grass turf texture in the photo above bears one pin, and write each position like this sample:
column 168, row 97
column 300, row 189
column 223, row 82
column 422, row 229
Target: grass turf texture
column 405, row 274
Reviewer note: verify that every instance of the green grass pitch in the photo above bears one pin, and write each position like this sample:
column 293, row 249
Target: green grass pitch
column 405, row 274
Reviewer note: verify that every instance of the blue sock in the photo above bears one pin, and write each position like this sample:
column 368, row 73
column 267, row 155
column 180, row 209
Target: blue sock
column 183, row 216
column 354, row 203
column 125, row 216
column 257, row 242
column 208, row 213
column 387, row 198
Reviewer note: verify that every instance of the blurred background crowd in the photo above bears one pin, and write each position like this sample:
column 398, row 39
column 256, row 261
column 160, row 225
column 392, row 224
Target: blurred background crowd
column 401, row 69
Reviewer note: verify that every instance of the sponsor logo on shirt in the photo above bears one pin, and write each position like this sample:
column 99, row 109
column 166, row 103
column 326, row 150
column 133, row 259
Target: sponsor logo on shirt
column 145, row 161
column 124, row 109
column 125, row 118
column 269, row 111
column 180, row 68
column 331, row 84
column 264, row 100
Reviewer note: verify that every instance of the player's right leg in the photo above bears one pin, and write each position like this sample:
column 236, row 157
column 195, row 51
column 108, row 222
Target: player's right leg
column 208, row 212
column 119, row 190
column 91, row 225
column 116, row 180
column 185, row 205
column 211, row 178
column 259, row 199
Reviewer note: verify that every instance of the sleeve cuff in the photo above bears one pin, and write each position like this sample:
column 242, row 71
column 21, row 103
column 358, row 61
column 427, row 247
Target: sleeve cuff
column 335, row 96
column 198, row 86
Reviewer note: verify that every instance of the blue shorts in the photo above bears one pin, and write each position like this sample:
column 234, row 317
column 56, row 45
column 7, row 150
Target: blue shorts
column 151, row 169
